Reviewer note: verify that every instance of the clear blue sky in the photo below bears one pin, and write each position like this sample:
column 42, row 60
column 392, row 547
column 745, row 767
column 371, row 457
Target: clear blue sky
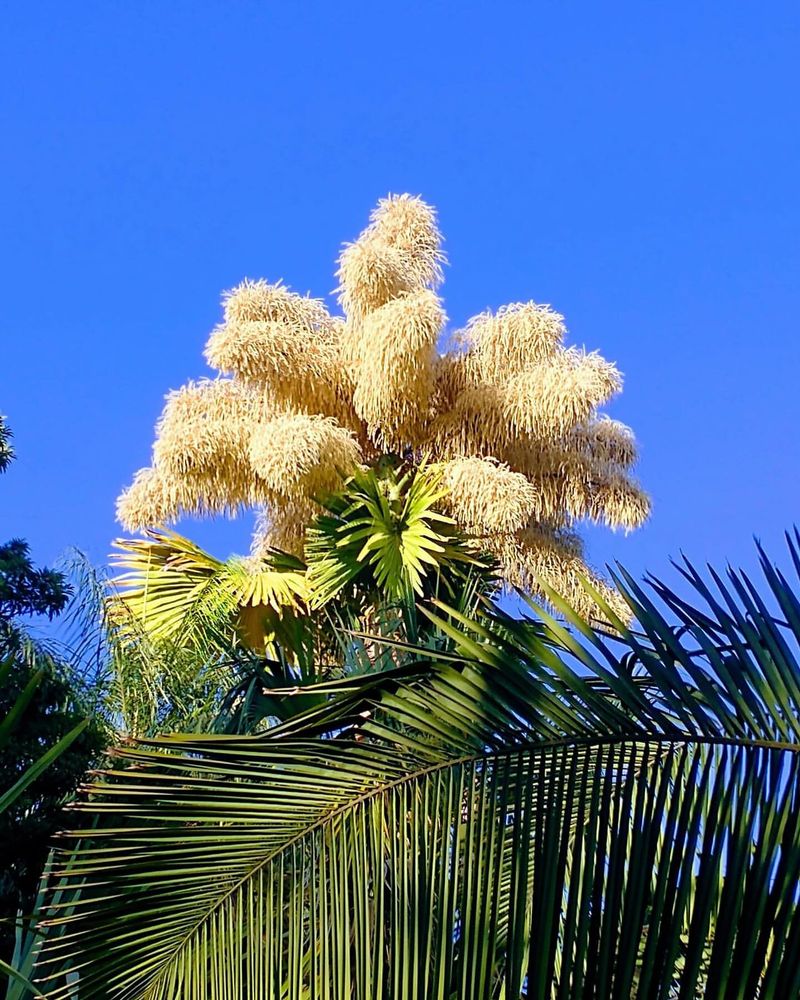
column 636, row 165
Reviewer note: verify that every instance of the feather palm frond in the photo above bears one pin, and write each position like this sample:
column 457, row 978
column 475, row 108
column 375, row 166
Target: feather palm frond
column 536, row 812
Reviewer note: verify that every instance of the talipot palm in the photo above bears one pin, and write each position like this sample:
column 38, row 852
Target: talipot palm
column 528, row 815
column 379, row 538
column 303, row 398
column 245, row 626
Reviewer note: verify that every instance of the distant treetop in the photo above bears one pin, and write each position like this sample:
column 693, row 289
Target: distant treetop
column 6, row 448
column 24, row 590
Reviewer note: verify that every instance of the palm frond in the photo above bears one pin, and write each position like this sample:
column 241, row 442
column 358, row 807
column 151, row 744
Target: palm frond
column 172, row 587
column 530, row 814
column 383, row 530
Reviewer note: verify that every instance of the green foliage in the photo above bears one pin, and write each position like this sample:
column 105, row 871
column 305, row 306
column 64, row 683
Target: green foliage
column 178, row 591
column 189, row 635
column 271, row 691
column 526, row 814
column 26, row 590
column 191, row 643
column 46, row 742
column 383, row 534
column 6, row 448
column 146, row 685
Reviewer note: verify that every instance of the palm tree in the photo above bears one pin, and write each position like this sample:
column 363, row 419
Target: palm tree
column 541, row 812
column 303, row 398
column 193, row 639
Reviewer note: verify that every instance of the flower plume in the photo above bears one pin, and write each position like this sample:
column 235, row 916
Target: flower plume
column 302, row 398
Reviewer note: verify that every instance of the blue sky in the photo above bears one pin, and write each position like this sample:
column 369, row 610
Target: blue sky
column 633, row 164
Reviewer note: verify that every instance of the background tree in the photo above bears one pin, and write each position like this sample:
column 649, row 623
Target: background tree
column 24, row 589
column 509, row 412
column 46, row 738
column 49, row 708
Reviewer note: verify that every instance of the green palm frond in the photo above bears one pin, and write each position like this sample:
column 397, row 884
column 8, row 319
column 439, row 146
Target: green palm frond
column 27, row 944
column 526, row 815
column 183, row 630
column 385, row 532
column 195, row 642
column 171, row 587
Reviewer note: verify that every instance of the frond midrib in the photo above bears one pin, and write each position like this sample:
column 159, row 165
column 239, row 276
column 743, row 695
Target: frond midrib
column 635, row 736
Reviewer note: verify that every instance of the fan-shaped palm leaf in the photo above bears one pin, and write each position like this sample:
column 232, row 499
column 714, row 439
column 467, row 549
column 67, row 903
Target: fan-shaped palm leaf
column 384, row 531
column 171, row 587
column 527, row 816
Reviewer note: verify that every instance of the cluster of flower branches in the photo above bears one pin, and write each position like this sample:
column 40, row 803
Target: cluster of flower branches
column 304, row 398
